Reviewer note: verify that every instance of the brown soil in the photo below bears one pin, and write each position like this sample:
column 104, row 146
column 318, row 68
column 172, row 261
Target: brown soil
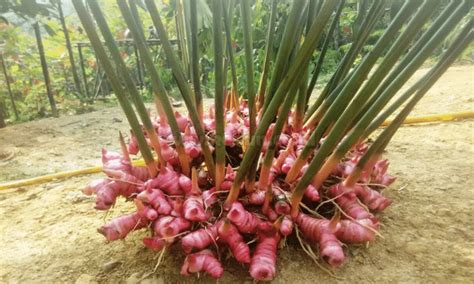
column 48, row 232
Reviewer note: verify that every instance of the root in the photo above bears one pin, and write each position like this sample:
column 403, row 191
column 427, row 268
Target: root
column 252, row 241
column 371, row 184
column 402, row 188
column 136, row 225
column 221, row 211
column 106, row 214
column 357, row 221
column 160, row 258
column 212, row 194
column 214, row 241
column 313, row 212
column 362, row 205
column 125, row 181
column 177, row 235
column 309, row 251
column 212, row 251
column 328, row 200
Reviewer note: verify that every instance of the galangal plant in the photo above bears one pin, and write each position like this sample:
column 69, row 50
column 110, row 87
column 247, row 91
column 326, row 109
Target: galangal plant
column 241, row 176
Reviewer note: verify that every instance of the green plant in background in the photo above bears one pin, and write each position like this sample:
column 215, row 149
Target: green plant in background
column 23, row 65
column 22, row 60
column 27, row 84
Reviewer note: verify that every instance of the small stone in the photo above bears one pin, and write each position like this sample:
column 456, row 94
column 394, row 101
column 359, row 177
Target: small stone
column 354, row 251
column 109, row 266
column 77, row 197
column 85, row 279
column 389, row 250
column 115, row 119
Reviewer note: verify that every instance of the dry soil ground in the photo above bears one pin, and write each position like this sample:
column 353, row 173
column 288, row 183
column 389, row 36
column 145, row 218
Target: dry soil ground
column 48, row 232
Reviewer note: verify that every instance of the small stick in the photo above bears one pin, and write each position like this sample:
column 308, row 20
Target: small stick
column 160, row 258
column 357, row 221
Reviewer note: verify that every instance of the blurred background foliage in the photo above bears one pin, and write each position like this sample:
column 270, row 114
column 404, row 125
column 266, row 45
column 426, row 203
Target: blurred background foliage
column 24, row 73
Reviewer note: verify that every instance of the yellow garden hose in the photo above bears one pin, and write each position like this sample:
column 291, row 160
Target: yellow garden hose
column 60, row 175
column 435, row 118
column 97, row 169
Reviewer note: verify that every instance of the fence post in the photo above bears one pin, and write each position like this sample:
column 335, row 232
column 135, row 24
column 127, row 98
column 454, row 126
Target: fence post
column 4, row 67
column 139, row 66
column 2, row 115
column 136, row 16
column 75, row 76
column 83, row 69
column 44, row 66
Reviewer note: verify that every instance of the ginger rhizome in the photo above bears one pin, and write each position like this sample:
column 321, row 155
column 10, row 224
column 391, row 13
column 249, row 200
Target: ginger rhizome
column 190, row 210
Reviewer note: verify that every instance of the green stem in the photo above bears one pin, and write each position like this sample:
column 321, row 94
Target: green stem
column 44, row 68
column 187, row 28
column 230, row 49
column 376, row 10
column 181, row 33
column 195, row 58
column 277, row 129
column 219, row 91
column 287, row 43
column 99, row 49
column 347, row 93
column 392, row 108
column 439, row 21
column 248, row 44
column 304, row 54
column 301, row 100
column 156, row 83
column 322, row 54
column 184, row 87
column 298, row 114
column 424, row 84
column 268, row 55
column 384, row 67
column 125, row 75
column 353, row 136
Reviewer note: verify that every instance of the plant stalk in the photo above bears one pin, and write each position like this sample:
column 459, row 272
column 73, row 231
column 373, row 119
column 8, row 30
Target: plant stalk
column 195, row 59
column 344, row 97
column 99, row 49
column 248, row 46
column 183, row 85
column 163, row 103
column 268, row 56
column 129, row 83
column 424, row 84
column 219, row 91
column 269, row 114
column 323, row 170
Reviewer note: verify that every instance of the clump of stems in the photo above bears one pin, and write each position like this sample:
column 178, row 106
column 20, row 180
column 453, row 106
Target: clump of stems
column 256, row 165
